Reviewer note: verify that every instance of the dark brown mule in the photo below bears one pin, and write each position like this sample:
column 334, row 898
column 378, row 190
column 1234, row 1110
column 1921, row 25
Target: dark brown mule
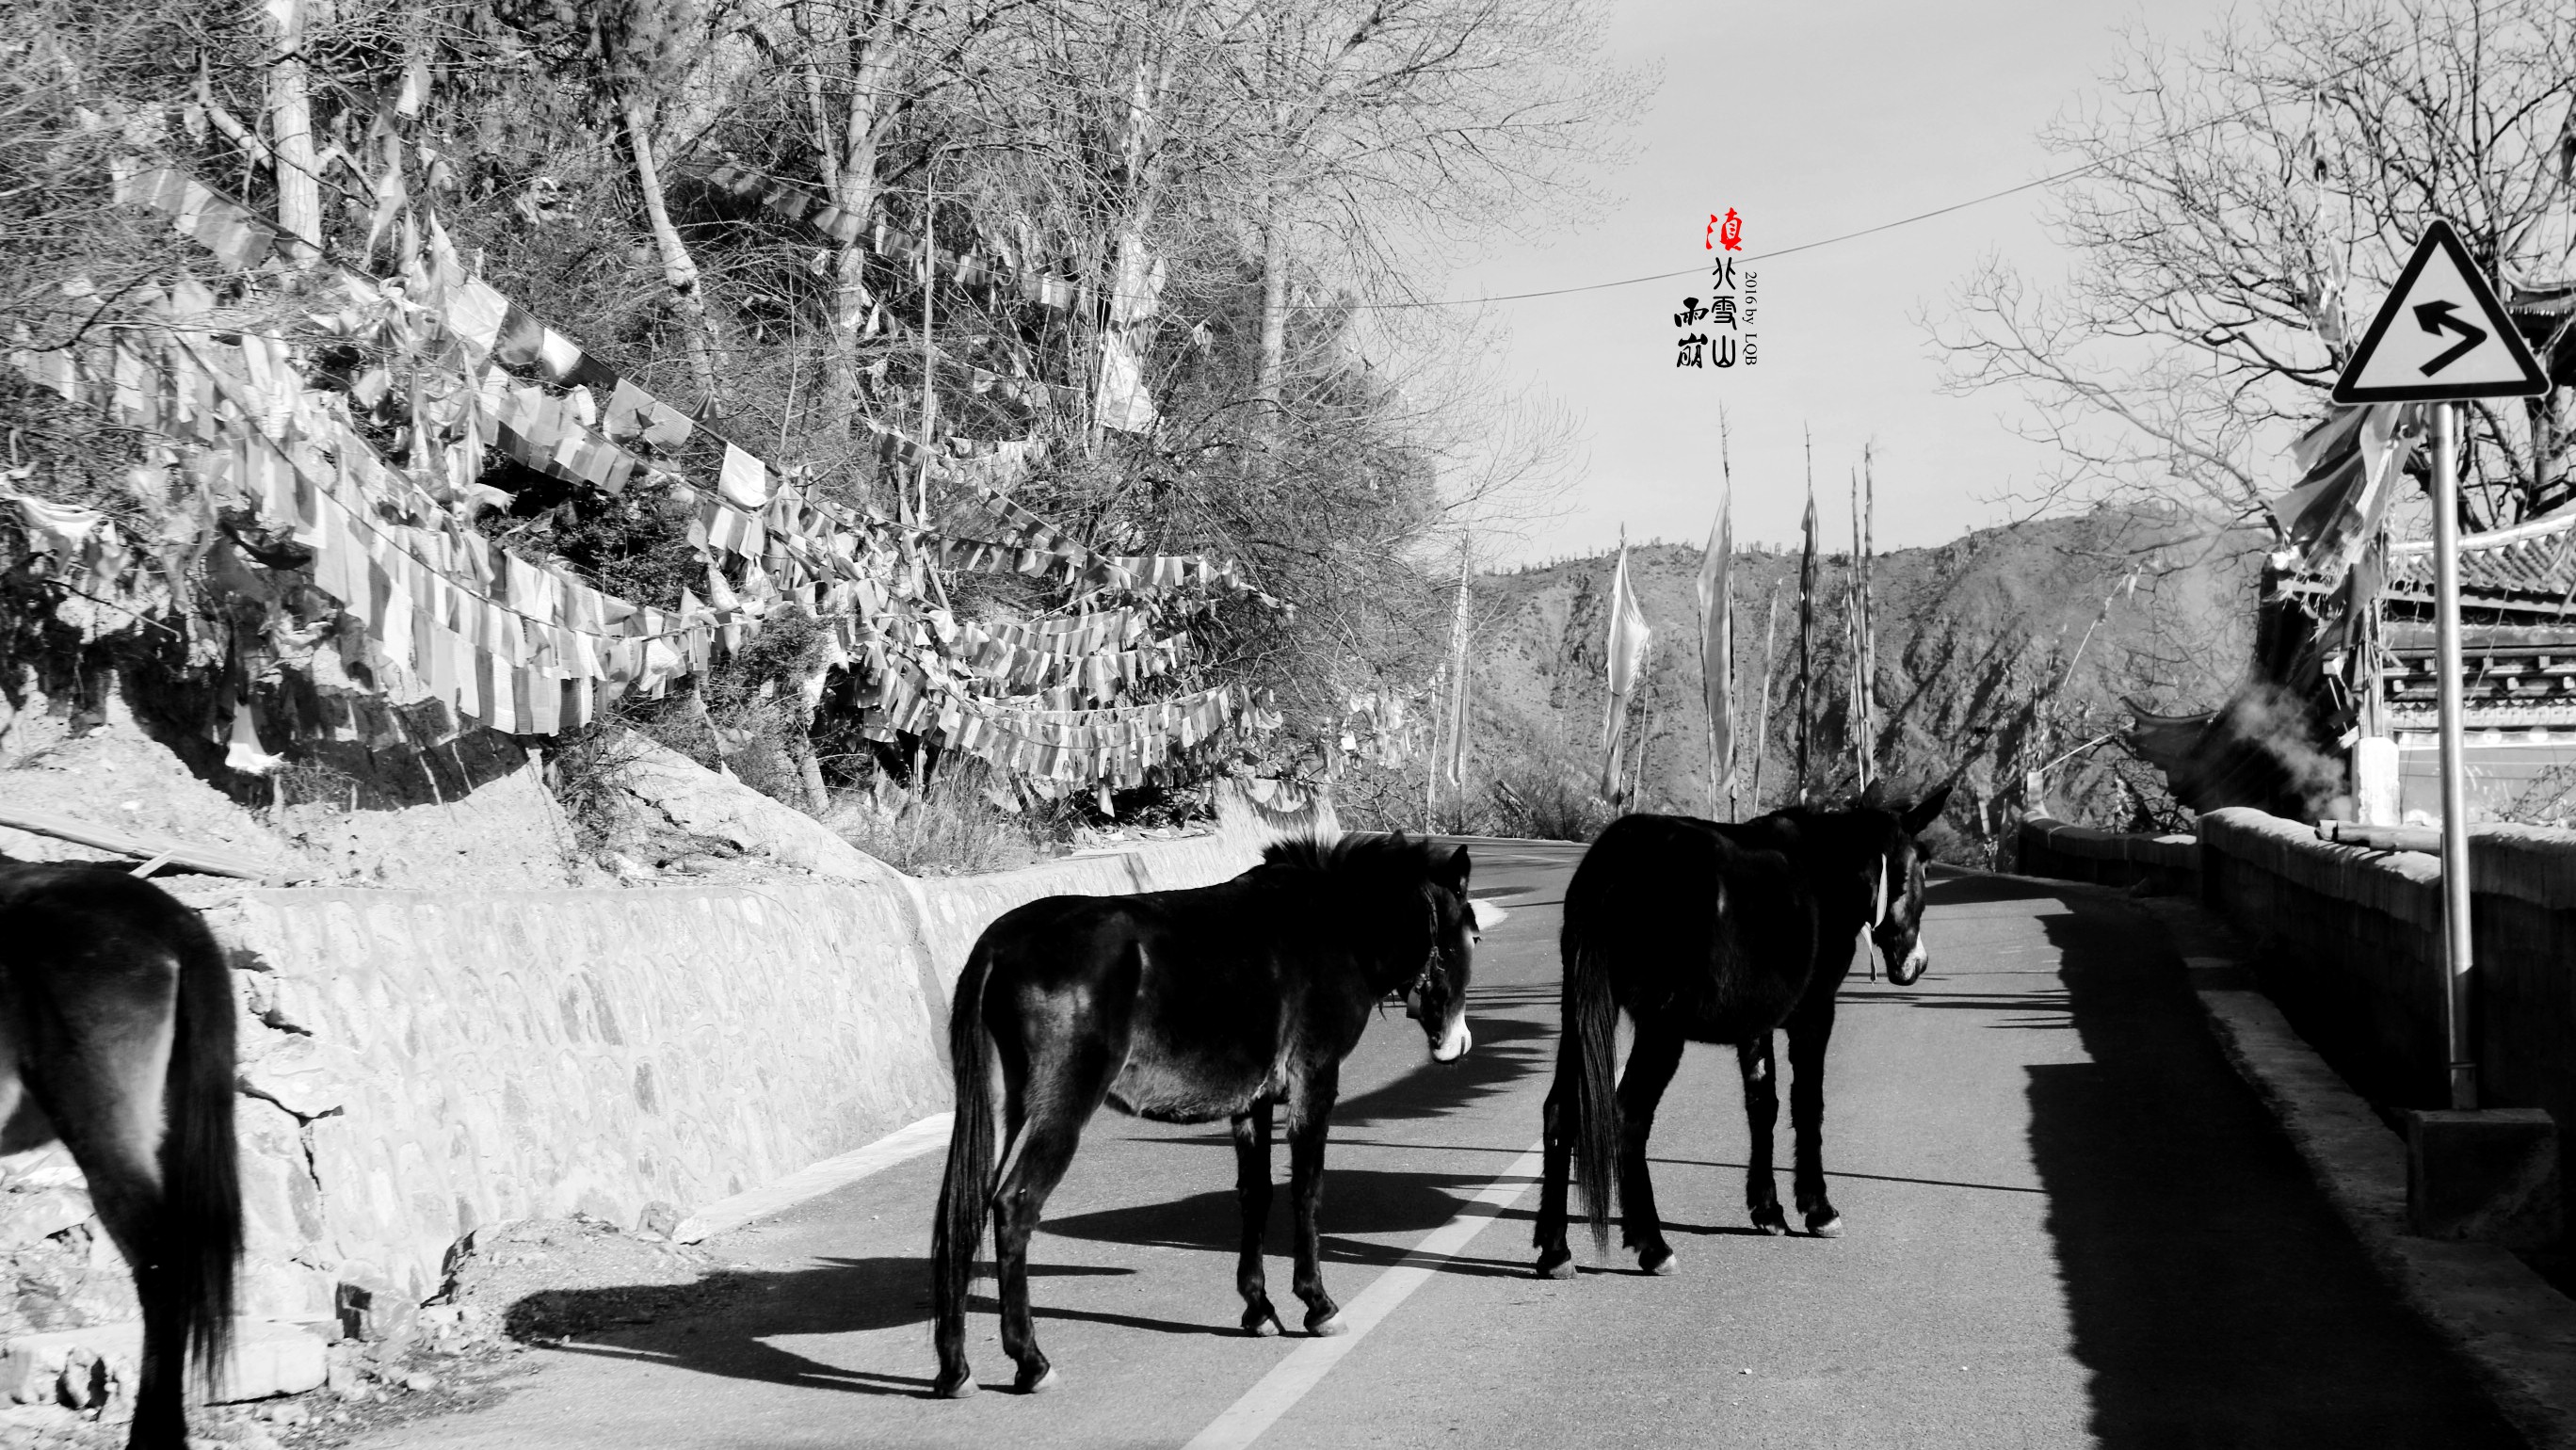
column 1186, row 1007
column 1703, row 932
column 116, row 1037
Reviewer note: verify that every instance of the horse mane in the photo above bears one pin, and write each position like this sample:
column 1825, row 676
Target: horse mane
column 1858, row 826
column 1354, row 854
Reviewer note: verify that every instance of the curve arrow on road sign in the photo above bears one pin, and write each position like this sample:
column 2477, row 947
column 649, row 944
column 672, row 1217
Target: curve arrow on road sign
column 2438, row 315
column 2461, row 346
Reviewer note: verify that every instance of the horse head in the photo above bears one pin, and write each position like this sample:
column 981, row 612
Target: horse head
column 1438, row 996
column 1896, row 910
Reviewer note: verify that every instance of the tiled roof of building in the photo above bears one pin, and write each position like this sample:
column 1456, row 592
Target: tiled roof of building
column 2530, row 564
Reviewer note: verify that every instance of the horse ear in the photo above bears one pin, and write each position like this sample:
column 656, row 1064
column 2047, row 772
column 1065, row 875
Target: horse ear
column 1924, row 812
column 1451, row 871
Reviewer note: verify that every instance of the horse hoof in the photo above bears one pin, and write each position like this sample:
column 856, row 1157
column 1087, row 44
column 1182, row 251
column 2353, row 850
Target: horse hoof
column 1771, row 1220
column 956, row 1389
column 1830, row 1227
column 1047, row 1379
column 1659, row 1262
column 1556, row 1264
column 1263, row 1325
column 1328, row 1326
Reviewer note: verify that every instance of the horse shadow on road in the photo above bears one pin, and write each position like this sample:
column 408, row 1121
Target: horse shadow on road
column 727, row 1324
column 727, row 1332
column 732, row 1327
column 1358, row 1202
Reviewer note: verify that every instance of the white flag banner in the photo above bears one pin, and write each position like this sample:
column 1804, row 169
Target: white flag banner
column 1629, row 636
column 1717, row 645
column 1122, row 401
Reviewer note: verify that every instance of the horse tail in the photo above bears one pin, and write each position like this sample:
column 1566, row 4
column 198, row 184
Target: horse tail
column 201, row 1219
column 967, row 1187
column 1586, row 1046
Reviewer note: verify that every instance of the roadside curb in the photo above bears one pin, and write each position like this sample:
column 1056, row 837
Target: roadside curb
column 2517, row 1332
column 814, row 1180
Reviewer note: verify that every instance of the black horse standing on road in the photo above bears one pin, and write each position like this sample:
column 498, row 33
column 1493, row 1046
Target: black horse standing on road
column 116, row 1038
column 1713, row 932
column 1186, row 1007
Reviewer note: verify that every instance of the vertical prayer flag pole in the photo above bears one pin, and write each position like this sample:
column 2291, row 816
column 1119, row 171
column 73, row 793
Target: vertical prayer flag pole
column 1762, row 721
column 929, row 361
column 1856, row 629
column 1717, row 632
column 2456, row 936
column 1431, row 762
column 1806, row 618
column 1458, row 696
column 1449, row 739
column 1868, row 611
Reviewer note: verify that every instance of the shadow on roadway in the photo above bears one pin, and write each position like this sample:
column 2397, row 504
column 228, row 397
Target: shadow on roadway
column 725, row 1333
column 2214, row 1295
column 721, row 1326
column 1356, row 1201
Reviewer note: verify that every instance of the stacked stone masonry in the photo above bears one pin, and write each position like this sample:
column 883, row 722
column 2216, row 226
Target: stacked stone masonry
column 416, row 1065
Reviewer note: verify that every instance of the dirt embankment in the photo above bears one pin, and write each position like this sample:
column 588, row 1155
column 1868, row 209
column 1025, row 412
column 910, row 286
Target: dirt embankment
column 648, row 817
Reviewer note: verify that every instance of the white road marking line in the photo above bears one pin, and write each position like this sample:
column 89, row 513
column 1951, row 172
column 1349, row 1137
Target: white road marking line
column 1305, row 1367
column 815, row 1180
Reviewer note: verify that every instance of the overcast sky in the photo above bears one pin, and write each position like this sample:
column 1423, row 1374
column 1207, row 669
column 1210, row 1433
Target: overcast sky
column 1809, row 120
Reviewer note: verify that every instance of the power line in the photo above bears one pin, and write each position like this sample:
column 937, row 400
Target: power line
column 1756, row 256
column 2049, row 180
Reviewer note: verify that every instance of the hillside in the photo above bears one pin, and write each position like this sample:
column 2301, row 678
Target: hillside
column 1983, row 667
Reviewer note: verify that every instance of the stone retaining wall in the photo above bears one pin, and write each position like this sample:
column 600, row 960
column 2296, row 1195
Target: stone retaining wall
column 419, row 1064
column 2054, row 849
column 2357, row 959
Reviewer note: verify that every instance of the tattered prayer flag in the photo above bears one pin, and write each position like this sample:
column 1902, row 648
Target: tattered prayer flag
column 1122, row 400
column 1629, row 636
column 558, row 356
column 2346, row 465
column 391, row 192
column 58, row 528
column 415, row 87
column 520, row 337
column 475, row 312
column 1717, row 642
column 744, row 482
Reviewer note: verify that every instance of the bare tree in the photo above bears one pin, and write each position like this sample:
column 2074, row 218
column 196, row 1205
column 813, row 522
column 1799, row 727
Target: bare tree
column 2240, row 208
column 1372, row 126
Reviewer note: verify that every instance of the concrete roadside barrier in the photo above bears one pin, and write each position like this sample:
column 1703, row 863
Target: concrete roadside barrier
column 417, row 1065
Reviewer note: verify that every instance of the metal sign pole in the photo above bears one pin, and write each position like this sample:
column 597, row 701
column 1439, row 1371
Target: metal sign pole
column 2457, row 954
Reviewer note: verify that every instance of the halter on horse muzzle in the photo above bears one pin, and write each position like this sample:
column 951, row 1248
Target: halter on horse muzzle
column 1422, row 980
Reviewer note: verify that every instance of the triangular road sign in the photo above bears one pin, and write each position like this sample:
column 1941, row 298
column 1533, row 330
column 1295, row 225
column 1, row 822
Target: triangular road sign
column 2440, row 336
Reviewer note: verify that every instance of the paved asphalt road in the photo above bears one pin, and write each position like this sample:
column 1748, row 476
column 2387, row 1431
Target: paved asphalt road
column 2068, row 1222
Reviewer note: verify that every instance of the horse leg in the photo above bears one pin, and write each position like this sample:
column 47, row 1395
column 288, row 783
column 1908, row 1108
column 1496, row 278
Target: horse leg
column 1761, row 1113
column 1059, row 1098
column 1651, row 1064
column 1310, row 1117
column 1555, row 1258
column 1809, row 1033
column 1252, row 1187
column 101, row 1089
